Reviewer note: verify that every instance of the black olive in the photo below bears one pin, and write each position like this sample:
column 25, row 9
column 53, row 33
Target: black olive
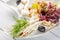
column 18, row 1
column 41, row 28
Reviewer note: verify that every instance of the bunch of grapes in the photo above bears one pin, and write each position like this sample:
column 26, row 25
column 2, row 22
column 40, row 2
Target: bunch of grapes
column 50, row 13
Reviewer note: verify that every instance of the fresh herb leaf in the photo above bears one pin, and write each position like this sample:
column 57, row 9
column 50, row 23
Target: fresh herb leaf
column 17, row 27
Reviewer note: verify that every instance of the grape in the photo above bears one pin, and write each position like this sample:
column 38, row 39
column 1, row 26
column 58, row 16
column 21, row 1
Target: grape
column 58, row 10
column 56, row 15
column 47, row 17
column 42, row 18
column 54, row 20
column 50, row 11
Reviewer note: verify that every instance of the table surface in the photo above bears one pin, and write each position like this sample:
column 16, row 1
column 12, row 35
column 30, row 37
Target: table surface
column 53, row 34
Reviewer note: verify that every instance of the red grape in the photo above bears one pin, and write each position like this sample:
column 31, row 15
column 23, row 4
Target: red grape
column 51, row 14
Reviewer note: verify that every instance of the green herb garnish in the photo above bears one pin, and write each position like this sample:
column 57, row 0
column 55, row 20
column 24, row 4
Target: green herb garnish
column 17, row 27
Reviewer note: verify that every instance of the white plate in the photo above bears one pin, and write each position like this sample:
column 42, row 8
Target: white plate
column 7, row 18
